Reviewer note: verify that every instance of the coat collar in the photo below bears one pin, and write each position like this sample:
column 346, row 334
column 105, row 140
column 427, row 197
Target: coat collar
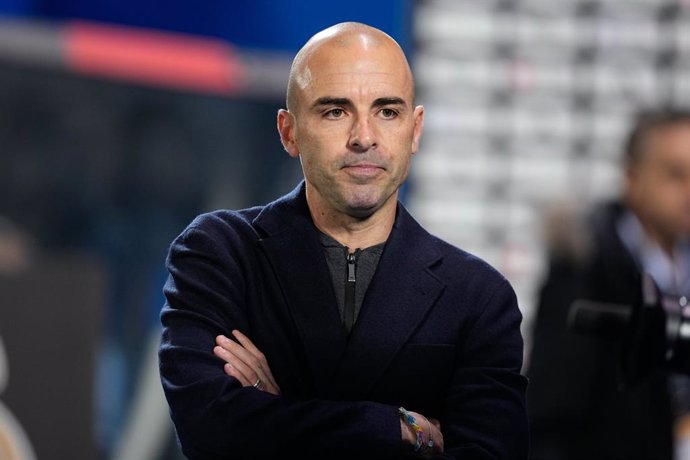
column 399, row 296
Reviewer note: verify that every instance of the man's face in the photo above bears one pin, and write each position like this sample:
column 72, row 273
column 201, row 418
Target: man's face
column 659, row 184
column 354, row 127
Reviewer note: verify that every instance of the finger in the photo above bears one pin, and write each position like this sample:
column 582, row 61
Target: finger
column 435, row 434
column 242, row 359
column 251, row 363
column 438, row 435
column 233, row 372
column 262, row 364
column 240, row 351
column 229, row 369
column 226, row 355
column 244, row 366
column 247, row 343
column 438, row 440
column 238, row 368
column 222, row 353
column 235, row 355
column 221, row 338
column 225, row 342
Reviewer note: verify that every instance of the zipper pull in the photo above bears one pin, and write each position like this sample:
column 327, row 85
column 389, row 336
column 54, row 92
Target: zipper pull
column 351, row 268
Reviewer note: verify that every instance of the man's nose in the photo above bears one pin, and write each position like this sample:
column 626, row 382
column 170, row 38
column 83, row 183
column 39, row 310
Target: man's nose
column 362, row 136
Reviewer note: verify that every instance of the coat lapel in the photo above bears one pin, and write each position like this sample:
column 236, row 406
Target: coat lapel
column 400, row 295
column 292, row 246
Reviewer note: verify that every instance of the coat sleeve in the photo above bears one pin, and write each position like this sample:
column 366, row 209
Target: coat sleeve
column 486, row 415
column 214, row 416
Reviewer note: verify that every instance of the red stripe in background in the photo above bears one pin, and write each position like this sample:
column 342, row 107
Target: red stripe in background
column 152, row 57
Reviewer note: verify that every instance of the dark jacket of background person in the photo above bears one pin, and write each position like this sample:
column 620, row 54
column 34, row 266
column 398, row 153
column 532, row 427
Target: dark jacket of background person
column 576, row 409
column 438, row 332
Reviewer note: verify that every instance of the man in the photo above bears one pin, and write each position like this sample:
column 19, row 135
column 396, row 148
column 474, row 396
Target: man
column 328, row 324
column 577, row 406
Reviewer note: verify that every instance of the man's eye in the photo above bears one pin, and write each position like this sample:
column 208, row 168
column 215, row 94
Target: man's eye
column 335, row 113
column 388, row 113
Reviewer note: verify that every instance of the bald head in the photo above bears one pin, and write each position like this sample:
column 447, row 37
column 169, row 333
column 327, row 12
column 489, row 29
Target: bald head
column 341, row 38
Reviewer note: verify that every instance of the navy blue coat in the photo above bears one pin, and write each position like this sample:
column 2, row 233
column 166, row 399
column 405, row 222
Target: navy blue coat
column 438, row 333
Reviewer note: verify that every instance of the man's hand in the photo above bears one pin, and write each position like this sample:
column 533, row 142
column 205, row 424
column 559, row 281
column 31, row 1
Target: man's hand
column 245, row 362
column 432, row 431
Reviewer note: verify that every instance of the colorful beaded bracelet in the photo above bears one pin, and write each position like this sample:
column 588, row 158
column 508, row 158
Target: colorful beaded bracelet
column 409, row 419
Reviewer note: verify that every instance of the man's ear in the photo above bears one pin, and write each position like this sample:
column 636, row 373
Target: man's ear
column 418, row 127
column 286, row 128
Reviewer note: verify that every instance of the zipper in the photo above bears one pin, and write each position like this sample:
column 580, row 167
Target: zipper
column 351, row 268
column 350, row 285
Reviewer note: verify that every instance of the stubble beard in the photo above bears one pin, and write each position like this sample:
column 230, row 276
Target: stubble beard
column 363, row 201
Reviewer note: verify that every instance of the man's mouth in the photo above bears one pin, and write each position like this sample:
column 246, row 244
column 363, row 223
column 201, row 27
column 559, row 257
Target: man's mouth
column 363, row 170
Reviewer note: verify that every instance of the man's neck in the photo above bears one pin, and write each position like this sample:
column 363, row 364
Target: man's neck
column 358, row 238
column 356, row 232
column 665, row 241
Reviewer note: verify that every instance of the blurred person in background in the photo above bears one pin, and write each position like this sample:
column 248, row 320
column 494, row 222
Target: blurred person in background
column 328, row 323
column 16, row 254
column 16, row 248
column 577, row 408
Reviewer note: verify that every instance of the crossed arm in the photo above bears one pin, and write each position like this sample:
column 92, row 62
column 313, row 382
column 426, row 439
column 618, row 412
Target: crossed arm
column 246, row 363
column 215, row 417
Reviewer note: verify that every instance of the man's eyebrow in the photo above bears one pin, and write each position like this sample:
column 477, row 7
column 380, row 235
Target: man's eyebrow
column 388, row 101
column 331, row 101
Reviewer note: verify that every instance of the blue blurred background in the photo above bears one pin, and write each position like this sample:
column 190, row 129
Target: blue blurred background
column 102, row 170
column 265, row 24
